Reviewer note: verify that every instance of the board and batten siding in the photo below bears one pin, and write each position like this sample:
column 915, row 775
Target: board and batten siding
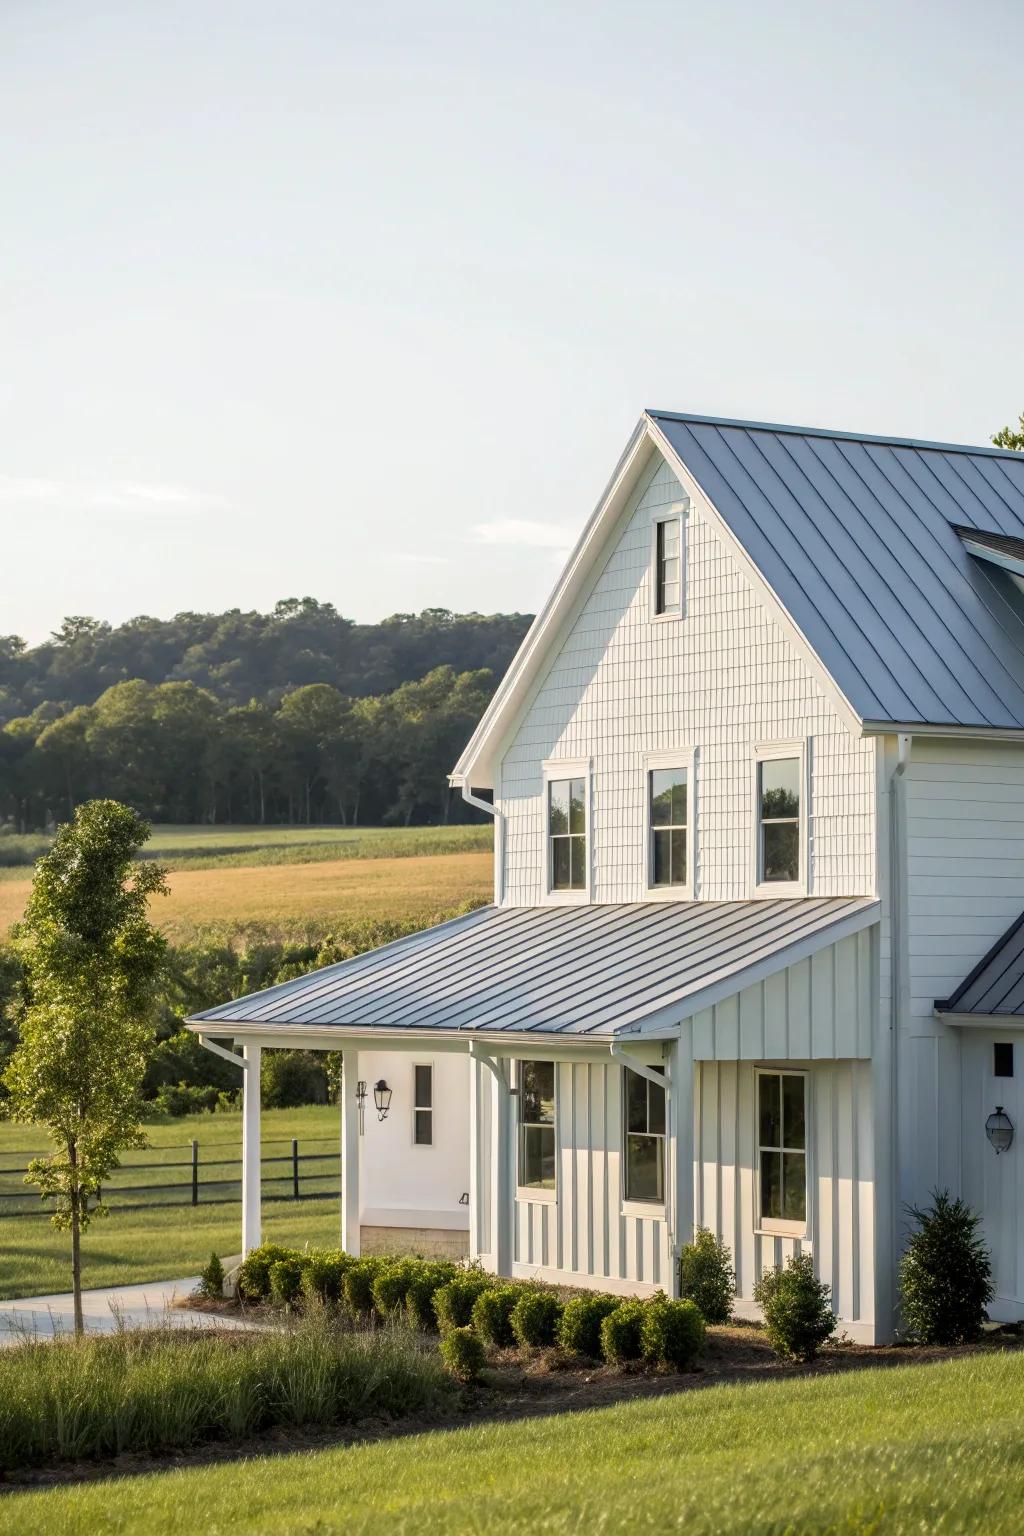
column 995, row 1185
column 965, row 880
column 841, row 1183
column 719, row 680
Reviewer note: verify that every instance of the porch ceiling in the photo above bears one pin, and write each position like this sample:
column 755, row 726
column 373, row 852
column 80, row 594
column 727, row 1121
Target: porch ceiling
column 566, row 971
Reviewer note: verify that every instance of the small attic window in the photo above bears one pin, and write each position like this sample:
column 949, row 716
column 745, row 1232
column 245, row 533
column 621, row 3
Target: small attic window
column 667, row 566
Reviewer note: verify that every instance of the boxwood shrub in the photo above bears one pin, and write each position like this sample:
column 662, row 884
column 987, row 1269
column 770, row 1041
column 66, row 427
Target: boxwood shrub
column 323, row 1273
column 254, row 1271
column 620, row 1333
column 391, row 1285
column 535, row 1318
column 579, row 1332
column 797, row 1308
column 286, row 1281
column 492, row 1315
column 357, row 1285
column 672, row 1333
column 454, row 1302
column 463, row 1353
column 706, row 1276
column 419, row 1298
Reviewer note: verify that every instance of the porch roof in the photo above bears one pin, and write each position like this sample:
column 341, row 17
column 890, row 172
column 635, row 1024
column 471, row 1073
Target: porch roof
column 568, row 971
column 995, row 988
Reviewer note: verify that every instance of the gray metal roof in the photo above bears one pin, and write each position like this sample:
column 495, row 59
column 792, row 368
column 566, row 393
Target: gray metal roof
column 594, row 970
column 858, row 537
column 996, row 985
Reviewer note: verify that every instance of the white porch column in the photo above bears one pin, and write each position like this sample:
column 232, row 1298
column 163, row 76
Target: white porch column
column 349, row 1153
column 503, row 1195
column 681, row 1144
column 251, row 1148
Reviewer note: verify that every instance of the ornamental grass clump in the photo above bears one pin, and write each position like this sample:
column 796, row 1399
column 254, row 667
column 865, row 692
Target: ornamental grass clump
column 706, row 1276
column 463, row 1353
column 579, row 1332
column 155, row 1391
column 535, row 1318
column 797, row 1309
column 672, row 1333
column 620, row 1333
column 492, row 1315
column 945, row 1275
column 454, row 1302
column 430, row 1276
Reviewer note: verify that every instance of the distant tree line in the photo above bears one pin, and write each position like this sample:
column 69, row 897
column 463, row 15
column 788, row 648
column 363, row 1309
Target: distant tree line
column 297, row 716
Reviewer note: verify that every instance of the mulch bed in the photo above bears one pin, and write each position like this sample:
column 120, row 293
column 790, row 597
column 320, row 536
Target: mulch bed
column 516, row 1389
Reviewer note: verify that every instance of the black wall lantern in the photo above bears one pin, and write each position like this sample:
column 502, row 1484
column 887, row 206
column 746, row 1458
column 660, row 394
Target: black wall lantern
column 382, row 1099
column 999, row 1130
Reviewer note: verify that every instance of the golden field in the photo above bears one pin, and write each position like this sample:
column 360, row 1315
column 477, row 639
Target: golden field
column 291, row 894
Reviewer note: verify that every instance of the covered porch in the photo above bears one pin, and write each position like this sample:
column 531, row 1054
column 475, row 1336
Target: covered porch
column 693, row 999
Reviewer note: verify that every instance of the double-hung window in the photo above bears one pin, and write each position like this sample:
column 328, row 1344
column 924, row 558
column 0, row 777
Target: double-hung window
column 423, row 1105
column 782, row 1150
column 669, row 826
column 781, row 821
column 536, row 1100
column 567, row 834
column 644, row 1132
column 667, row 567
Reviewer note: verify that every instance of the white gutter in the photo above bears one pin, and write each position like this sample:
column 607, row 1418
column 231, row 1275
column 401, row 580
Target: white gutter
column 458, row 782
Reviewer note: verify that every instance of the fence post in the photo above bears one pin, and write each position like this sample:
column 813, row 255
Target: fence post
column 295, row 1168
column 195, row 1173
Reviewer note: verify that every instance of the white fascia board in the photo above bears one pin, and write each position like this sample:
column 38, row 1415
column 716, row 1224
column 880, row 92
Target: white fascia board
column 537, row 1043
column 1012, row 563
column 962, row 732
column 477, row 765
column 759, row 970
column 1008, row 1022
column 696, row 492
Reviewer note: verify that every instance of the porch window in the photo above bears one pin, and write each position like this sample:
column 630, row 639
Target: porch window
column 667, row 790
column 423, row 1105
column 668, row 566
column 536, row 1125
column 567, row 834
column 644, row 1121
column 778, row 806
column 782, row 1147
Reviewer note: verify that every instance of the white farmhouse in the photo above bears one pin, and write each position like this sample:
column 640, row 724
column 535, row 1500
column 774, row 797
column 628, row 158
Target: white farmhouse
column 755, row 959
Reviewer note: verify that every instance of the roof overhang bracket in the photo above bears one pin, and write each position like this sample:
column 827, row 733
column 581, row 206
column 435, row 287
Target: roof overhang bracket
column 640, row 1067
column 219, row 1050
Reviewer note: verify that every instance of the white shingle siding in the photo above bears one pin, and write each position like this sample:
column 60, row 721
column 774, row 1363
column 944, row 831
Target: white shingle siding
column 720, row 679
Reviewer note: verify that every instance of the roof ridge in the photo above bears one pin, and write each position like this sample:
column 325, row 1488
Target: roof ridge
column 843, row 436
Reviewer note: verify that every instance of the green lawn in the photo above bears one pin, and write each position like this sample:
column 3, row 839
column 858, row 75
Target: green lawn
column 173, row 1240
column 929, row 1448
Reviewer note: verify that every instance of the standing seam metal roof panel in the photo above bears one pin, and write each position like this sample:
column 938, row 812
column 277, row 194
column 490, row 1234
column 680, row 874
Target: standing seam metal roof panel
column 857, row 537
column 580, row 971
column 996, row 985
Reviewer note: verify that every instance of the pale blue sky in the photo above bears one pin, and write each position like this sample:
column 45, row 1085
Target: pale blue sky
column 363, row 301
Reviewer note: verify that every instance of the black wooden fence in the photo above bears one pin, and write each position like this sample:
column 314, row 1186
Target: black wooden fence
column 208, row 1174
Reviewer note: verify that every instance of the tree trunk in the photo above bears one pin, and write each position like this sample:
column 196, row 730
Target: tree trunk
column 263, row 804
column 76, row 1240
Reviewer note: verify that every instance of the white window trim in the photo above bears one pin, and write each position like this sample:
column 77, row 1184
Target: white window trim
column 568, row 768
column 653, row 1210
column 766, row 752
column 529, row 1193
column 680, row 757
column 677, row 512
column 421, row 1146
column 769, row 1226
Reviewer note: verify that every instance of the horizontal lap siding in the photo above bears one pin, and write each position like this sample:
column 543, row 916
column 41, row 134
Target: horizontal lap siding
column 583, row 1234
column 721, row 679
column 842, row 1197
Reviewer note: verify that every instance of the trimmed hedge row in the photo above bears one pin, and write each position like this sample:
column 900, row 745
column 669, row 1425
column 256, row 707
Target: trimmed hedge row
column 460, row 1302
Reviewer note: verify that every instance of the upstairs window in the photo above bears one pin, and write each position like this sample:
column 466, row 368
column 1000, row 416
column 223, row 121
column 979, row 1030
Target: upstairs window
column 782, row 1149
column 668, row 566
column 567, row 834
column 536, row 1125
column 669, row 853
column 644, row 1128
column 423, row 1105
column 780, row 819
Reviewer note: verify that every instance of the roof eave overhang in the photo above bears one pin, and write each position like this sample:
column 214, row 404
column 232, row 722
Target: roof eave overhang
column 1006, row 1021
column 924, row 728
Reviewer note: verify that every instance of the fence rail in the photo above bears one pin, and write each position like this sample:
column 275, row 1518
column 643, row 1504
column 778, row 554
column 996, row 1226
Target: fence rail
column 292, row 1175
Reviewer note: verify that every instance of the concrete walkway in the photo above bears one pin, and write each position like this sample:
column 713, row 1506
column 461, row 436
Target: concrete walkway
column 129, row 1306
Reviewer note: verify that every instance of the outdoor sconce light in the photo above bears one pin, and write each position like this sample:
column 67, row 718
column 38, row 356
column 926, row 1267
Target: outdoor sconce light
column 382, row 1099
column 999, row 1130
column 361, row 1104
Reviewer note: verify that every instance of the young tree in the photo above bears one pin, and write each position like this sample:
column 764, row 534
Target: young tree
column 90, row 957
column 1011, row 437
